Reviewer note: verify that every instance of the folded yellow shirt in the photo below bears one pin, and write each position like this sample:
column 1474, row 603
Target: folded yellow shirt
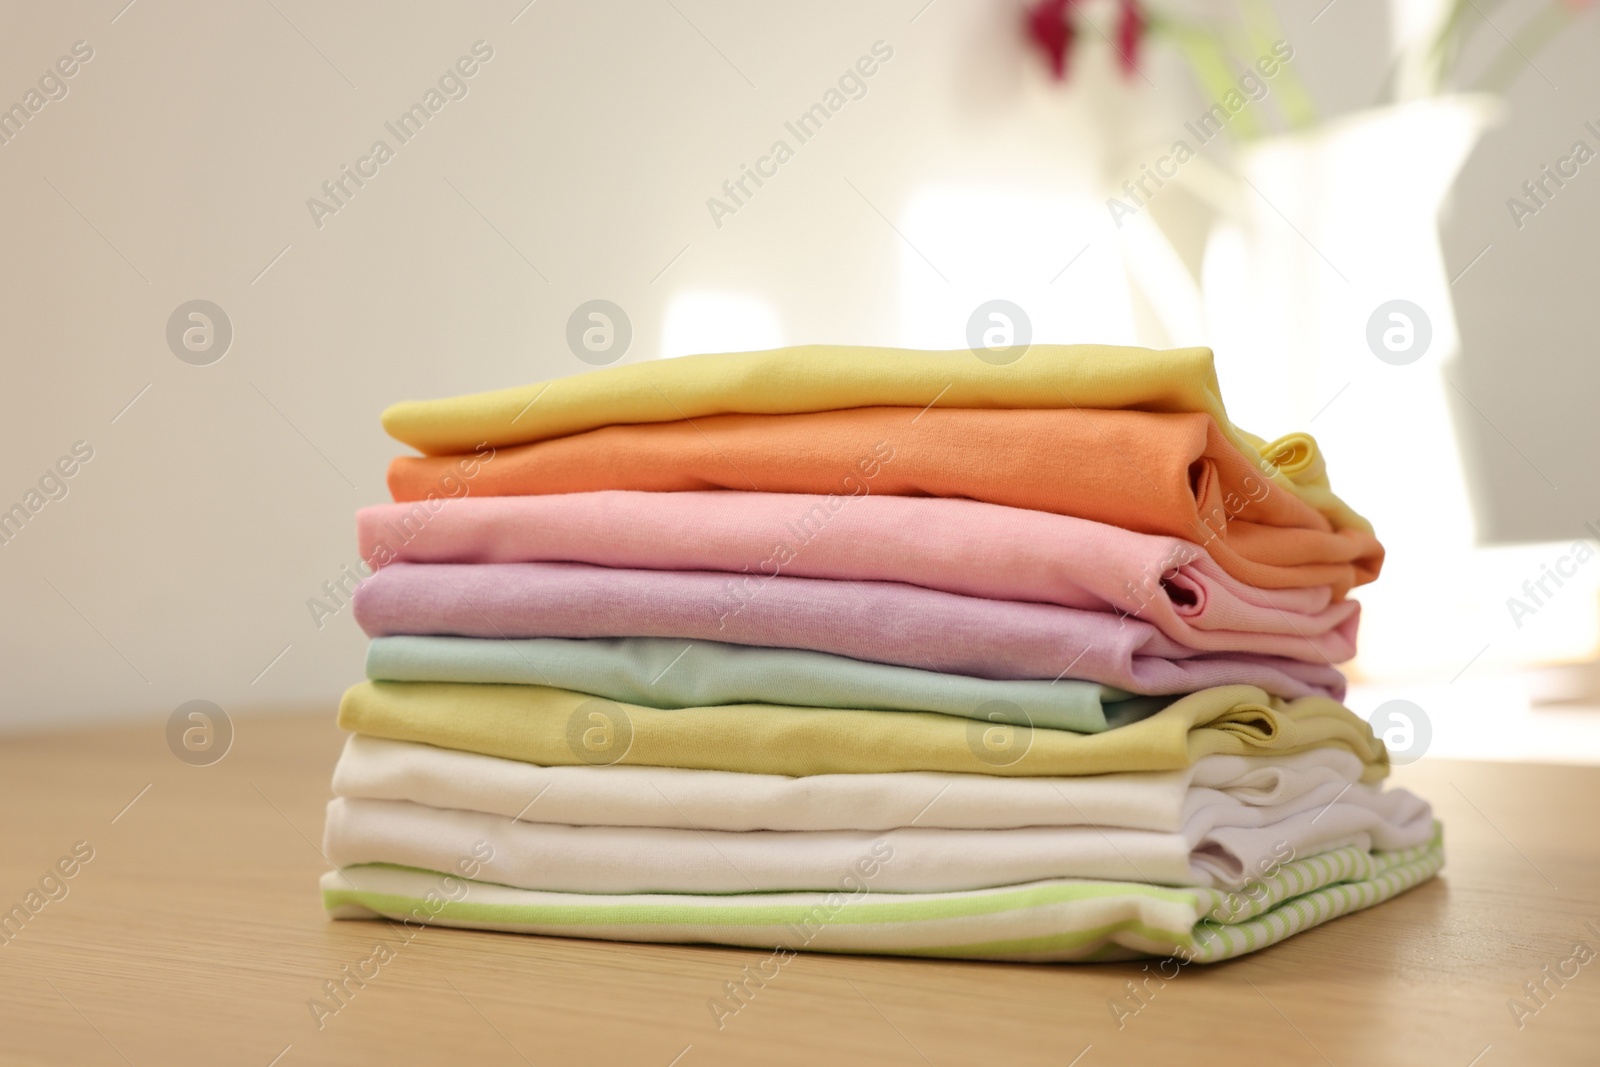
column 557, row 727
column 807, row 378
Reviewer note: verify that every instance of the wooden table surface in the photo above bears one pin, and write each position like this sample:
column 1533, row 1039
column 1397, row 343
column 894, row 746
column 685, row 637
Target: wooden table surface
column 195, row 935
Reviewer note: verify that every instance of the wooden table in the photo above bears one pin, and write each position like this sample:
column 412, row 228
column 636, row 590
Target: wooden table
column 195, row 935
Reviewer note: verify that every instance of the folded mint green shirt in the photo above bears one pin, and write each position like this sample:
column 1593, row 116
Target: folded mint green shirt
column 667, row 673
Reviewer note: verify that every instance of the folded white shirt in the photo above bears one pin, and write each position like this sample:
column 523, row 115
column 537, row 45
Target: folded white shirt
column 1223, row 844
column 378, row 769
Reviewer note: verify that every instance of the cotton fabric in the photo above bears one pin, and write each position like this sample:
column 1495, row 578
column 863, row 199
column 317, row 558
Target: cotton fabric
column 1171, row 475
column 663, row 673
column 925, row 541
column 1051, row 921
column 373, row 768
column 866, row 650
column 555, row 727
column 811, row 378
column 1223, row 845
column 884, row 622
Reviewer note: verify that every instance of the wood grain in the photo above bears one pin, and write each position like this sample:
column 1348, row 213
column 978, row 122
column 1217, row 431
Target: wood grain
column 195, row 935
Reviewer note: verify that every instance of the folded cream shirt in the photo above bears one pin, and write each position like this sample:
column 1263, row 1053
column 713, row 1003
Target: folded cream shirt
column 375, row 768
column 1222, row 845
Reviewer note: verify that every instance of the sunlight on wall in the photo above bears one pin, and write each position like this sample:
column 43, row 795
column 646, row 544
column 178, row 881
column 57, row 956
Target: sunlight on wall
column 698, row 322
column 1048, row 255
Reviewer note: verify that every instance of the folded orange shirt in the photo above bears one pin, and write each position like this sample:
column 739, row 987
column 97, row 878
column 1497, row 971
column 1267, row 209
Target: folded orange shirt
column 1169, row 474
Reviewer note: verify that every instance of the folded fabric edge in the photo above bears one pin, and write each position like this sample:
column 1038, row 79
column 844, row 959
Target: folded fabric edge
column 1299, row 895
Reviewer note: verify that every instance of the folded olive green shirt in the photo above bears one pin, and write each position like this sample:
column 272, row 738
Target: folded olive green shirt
column 556, row 727
column 809, row 378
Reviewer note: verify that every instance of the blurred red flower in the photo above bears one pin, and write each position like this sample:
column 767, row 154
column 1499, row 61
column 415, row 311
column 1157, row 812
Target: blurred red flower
column 1131, row 27
column 1050, row 27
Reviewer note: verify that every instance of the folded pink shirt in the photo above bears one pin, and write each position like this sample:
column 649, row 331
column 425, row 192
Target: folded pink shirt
column 884, row 622
column 958, row 546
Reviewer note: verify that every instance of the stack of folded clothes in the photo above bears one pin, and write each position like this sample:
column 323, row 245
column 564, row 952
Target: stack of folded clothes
column 866, row 650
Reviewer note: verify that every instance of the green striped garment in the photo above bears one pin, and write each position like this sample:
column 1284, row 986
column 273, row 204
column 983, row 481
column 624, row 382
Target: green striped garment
column 1052, row 921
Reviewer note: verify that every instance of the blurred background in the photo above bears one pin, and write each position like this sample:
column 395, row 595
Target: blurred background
column 1382, row 217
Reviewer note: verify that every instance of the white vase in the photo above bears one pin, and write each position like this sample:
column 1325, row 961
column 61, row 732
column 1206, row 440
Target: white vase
column 1327, row 226
column 1324, row 229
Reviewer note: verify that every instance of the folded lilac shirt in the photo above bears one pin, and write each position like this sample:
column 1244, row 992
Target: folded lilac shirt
column 955, row 545
column 884, row 622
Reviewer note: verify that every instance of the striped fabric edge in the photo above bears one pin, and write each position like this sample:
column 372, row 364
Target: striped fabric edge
column 1054, row 921
column 1221, row 942
column 1213, row 939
